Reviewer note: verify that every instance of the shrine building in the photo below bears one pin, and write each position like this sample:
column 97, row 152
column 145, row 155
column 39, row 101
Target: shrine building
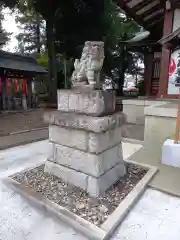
column 16, row 75
column 162, row 47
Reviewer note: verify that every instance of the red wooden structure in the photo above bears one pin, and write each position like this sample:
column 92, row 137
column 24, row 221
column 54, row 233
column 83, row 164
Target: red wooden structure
column 16, row 75
column 162, row 19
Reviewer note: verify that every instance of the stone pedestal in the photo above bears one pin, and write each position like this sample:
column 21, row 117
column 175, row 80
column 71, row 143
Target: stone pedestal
column 86, row 144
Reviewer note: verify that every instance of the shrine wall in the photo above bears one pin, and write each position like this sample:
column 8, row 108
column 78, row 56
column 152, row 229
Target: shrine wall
column 176, row 20
column 174, row 67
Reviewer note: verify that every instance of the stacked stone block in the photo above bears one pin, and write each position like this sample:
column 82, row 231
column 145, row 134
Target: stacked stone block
column 85, row 136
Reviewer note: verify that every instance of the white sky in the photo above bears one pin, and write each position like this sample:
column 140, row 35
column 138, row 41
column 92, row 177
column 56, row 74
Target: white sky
column 10, row 25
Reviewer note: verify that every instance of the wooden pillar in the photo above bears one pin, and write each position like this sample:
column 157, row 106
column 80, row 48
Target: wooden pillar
column 148, row 62
column 4, row 97
column 1, row 103
column 29, row 86
column 166, row 54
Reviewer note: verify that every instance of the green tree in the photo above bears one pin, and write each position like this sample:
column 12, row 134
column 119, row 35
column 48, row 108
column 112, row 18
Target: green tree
column 70, row 23
column 4, row 35
column 32, row 31
column 48, row 10
column 65, row 36
column 100, row 20
column 122, row 28
column 42, row 59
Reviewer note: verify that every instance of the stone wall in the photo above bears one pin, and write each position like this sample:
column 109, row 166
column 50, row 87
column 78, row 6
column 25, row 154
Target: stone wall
column 134, row 109
column 160, row 124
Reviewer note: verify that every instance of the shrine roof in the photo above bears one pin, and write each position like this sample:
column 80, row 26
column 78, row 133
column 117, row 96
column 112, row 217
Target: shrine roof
column 148, row 13
column 169, row 38
column 143, row 45
column 19, row 62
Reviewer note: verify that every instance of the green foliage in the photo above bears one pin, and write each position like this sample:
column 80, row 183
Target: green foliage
column 42, row 59
column 9, row 3
column 86, row 25
column 72, row 22
column 32, row 31
column 121, row 28
column 4, row 35
column 65, row 69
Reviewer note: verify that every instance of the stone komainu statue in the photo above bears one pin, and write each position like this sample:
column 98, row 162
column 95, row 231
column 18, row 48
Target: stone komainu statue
column 88, row 68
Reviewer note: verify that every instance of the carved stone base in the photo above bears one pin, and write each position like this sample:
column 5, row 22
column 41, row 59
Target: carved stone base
column 87, row 101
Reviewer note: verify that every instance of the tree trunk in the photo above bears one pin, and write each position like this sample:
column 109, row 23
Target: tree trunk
column 38, row 34
column 122, row 73
column 52, row 78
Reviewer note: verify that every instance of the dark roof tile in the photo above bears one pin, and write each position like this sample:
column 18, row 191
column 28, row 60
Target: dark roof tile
column 19, row 62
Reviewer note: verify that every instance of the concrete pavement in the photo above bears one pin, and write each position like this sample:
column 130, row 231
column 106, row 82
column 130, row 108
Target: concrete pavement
column 19, row 220
column 10, row 141
column 155, row 216
column 168, row 178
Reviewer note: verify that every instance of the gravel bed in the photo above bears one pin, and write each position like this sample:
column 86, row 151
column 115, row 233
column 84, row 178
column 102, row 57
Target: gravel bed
column 94, row 210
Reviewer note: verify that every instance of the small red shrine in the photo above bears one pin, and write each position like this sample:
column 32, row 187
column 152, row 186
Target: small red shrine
column 162, row 48
column 16, row 75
